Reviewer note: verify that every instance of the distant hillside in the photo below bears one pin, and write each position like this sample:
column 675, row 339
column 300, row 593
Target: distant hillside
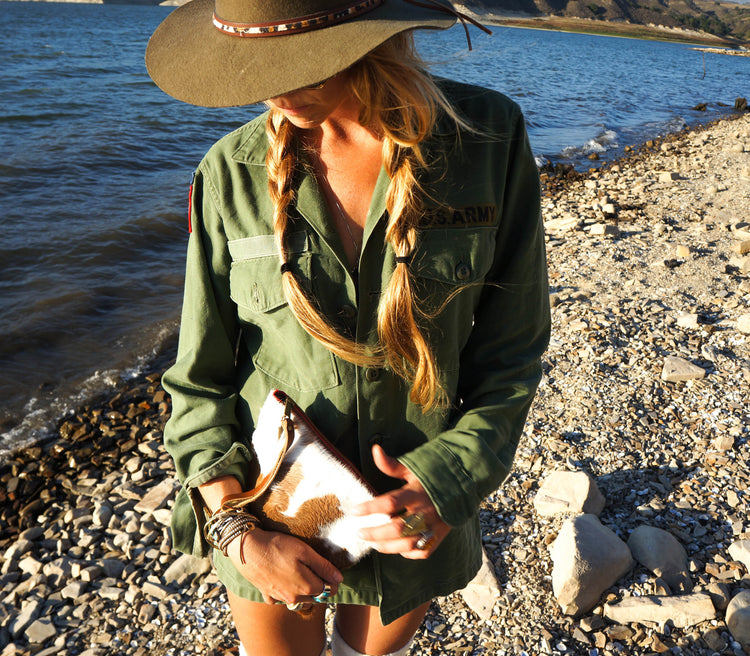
column 717, row 17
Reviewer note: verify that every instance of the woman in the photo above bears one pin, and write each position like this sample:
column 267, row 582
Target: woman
column 372, row 245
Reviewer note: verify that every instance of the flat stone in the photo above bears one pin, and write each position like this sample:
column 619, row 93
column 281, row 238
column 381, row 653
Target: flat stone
column 568, row 492
column 678, row 369
column 659, row 551
column 157, row 496
column 111, row 592
column 738, row 618
column 741, row 262
column 186, row 564
column 32, row 533
column 483, row 591
column 619, row 632
column 40, row 631
column 74, row 590
column 163, row 516
column 687, row 320
column 604, row 229
column 723, row 443
column 112, row 567
column 683, row 611
column 29, row 612
column 155, row 590
column 743, row 324
column 18, row 549
column 562, row 224
column 719, row 593
column 587, row 559
column 30, row 565
column 91, row 573
column 714, row 640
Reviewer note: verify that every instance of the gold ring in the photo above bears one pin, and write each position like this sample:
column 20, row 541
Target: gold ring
column 426, row 538
column 413, row 524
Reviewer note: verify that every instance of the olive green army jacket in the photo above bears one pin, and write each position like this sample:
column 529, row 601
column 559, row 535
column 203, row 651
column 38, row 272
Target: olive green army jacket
column 481, row 232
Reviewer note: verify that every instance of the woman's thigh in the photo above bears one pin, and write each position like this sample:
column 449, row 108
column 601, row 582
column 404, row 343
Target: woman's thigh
column 266, row 630
column 361, row 628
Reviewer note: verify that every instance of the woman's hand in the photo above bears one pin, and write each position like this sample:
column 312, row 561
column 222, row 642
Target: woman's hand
column 282, row 567
column 403, row 505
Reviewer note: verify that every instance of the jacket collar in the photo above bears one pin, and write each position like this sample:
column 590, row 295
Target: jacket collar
column 310, row 202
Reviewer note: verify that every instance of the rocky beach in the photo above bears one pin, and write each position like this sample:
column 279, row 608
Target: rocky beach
column 624, row 527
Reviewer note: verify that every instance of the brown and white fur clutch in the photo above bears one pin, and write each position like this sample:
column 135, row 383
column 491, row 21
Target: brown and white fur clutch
column 310, row 488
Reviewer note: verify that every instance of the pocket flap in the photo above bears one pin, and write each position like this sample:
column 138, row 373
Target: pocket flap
column 250, row 248
column 456, row 256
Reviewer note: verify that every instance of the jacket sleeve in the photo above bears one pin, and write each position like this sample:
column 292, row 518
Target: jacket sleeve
column 202, row 432
column 500, row 366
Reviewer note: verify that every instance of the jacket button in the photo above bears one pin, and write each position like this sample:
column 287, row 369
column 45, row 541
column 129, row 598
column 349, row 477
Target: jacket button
column 348, row 312
column 463, row 271
column 376, row 438
column 372, row 375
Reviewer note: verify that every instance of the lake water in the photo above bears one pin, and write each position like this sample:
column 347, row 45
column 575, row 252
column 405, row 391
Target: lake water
column 95, row 163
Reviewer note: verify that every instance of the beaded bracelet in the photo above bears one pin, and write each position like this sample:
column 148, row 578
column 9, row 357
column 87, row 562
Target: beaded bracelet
column 225, row 525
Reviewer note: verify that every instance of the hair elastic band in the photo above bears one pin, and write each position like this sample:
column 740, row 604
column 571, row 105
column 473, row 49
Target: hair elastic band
column 285, row 267
column 406, row 259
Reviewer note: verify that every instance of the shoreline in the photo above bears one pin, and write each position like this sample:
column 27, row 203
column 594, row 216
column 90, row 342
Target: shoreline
column 645, row 261
column 608, row 28
column 528, row 21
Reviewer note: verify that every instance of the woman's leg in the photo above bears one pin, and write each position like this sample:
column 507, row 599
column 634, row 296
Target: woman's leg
column 361, row 629
column 266, row 630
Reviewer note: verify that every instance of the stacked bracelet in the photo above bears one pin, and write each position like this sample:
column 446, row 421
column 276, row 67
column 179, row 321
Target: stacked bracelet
column 225, row 525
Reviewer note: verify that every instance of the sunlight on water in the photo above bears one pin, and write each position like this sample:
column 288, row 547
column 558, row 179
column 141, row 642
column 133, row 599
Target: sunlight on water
column 95, row 164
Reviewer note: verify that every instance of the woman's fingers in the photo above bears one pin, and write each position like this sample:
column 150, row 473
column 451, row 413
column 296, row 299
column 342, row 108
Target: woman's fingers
column 283, row 568
column 415, row 529
column 389, row 466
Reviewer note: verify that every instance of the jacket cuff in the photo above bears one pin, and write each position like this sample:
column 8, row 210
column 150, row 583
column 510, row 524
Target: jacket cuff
column 189, row 513
column 444, row 479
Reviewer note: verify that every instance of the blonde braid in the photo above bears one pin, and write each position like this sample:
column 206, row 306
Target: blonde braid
column 281, row 165
column 407, row 351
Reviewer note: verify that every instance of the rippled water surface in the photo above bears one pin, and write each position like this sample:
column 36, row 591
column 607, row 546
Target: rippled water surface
column 95, row 164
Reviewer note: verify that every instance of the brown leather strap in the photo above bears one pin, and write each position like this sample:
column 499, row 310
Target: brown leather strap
column 285, row 439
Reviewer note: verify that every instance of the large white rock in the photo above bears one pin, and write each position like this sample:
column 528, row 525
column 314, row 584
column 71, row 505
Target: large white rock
column 587, row 559
column 740, row 551
column 483, row 590
column 738, row 618
column 568, row 492
column 659, row 551
column 684, row 610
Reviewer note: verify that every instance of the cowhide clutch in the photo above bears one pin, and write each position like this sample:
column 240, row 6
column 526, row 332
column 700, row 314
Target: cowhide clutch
column 304, row 486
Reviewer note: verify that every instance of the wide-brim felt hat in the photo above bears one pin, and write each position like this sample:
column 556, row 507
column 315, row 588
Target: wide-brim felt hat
column 223, row 53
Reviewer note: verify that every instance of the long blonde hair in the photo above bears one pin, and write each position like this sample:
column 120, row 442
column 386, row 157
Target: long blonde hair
column 401, row 102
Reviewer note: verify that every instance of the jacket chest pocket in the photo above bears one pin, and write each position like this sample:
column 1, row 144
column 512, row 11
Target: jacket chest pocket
column 450, row 266
column 277, row 343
